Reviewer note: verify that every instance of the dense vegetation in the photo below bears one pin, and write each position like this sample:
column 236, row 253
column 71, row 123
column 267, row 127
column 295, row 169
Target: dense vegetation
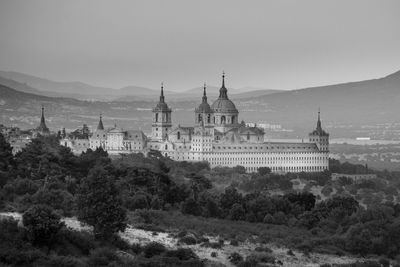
column 46, row 182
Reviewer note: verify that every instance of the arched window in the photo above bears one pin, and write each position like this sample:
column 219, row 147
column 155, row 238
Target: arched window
column 156, row 117
column 223, row 119
column 200, row 118
column 166, row 147
column 248, row 135
column 233, row 119
column 209, row 118
column 179, row 135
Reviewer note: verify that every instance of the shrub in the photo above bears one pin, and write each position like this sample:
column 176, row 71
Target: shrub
column 234, row 242
column 182, row 254
column 263, row 249
column 42, row 224
column 235, row 258
column 188, row 240
column 153, row 249
column 237, row 212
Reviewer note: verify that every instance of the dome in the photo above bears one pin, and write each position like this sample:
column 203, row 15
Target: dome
column 204, row 108
column 224, row 105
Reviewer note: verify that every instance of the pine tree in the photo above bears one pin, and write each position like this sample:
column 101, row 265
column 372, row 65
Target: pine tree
column 100, row 205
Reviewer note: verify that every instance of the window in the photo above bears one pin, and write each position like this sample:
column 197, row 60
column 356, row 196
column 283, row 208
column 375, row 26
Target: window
column 209, row 118
column 223, row 119
column 179, row 135
column 156, row 117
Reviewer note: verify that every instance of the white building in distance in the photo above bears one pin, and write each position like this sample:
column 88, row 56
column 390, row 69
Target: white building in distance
column 217, row 137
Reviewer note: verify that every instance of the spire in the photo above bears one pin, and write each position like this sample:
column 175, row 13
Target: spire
column 223, row 79
column 319, row 120
column 204, row 94
column 42, row 120
column 223, row 92
column 100, row 125
column 162, row 93
column 42, row 126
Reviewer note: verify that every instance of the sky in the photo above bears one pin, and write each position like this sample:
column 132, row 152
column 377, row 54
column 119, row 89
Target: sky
column 282, row 44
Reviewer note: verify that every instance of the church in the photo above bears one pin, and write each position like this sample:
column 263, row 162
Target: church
column 217, row 137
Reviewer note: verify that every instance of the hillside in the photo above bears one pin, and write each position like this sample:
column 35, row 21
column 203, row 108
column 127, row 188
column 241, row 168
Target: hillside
column 362, row 103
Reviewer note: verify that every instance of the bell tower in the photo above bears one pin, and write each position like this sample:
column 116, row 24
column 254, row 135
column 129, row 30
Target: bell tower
column 162, row 121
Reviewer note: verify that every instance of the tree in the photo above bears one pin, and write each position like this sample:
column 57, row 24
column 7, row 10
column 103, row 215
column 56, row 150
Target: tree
column 190, row 206
column 100, row 205
column 237, row 212
column 6, row 156
column 42, row 224
column 264, row 170
column 6, row 160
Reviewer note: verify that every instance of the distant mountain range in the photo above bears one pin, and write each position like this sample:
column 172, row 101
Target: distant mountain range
column 348, row 110
column 79, row 90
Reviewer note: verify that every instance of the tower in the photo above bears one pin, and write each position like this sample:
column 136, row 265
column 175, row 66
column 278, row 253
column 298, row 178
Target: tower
column 162, row 121
column 204, row 113
column 42, row 129
column 319, row 136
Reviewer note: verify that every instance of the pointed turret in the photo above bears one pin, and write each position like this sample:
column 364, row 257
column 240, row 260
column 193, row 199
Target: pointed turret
column 319, row 136
column 162, row 93
column 42, row 127
column 100, row 126
column 319, row 128
column 223, row 92
column 204, row 94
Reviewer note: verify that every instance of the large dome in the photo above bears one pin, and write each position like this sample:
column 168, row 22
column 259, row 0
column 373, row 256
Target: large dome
column 223, row 104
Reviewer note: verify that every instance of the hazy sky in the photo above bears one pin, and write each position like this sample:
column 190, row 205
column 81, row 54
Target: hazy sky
column 278, row 44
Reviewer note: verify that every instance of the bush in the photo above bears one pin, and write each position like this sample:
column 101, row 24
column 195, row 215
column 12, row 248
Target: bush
column 237, row 212
column 153, row 249
column 234, row 242
column 235, row 258
column 182, row 254
column 188, row 240
column 42, row 224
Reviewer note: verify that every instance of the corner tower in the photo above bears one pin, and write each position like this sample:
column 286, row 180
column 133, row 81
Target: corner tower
column 320, row 137
column 162, row 120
